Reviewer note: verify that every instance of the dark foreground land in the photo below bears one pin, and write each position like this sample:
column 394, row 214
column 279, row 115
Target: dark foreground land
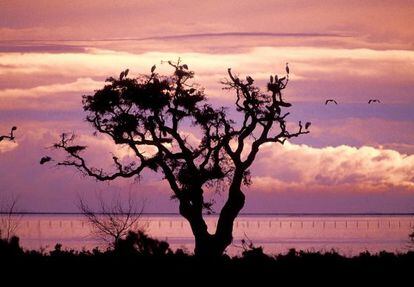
column 140, row 260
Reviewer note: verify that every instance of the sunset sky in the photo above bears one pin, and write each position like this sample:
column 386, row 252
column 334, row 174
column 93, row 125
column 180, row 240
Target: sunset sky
column 357, row 158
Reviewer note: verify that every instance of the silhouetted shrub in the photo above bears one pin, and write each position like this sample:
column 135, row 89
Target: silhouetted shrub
column 10, row 247
column 141, row 243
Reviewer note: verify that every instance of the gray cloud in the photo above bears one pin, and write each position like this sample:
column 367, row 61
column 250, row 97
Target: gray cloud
column 40, row 48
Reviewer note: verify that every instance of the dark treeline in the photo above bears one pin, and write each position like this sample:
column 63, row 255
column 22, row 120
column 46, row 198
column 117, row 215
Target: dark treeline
column 139, row 257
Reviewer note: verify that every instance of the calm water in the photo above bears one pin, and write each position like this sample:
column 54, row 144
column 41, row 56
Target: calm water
column 348, row 235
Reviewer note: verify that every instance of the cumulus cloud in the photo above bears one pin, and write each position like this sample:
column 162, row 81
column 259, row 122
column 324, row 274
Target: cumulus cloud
column 306, row 168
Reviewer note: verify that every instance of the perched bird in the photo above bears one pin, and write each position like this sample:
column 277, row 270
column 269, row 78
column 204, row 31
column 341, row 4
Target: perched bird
column 287, row 68
column 185, row 66
column 249, row 80
column 75, row 149
column 374, row 101
column 123, row 74
column 45, row 159
column 330, row 101
column 153, row 68
column 271, row 79
column 307, row 125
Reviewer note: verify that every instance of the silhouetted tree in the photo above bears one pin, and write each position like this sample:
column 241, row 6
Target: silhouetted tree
column 113, row 221
column 151, row 111
column 9, row 219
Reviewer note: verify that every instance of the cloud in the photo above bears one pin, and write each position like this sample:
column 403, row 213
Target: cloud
column 6, row 146
column 54, row 96
column 340, row 168
column 316, row 72
column 40, row 48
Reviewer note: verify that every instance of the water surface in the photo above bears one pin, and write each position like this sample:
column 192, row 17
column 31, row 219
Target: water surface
column 348, row 234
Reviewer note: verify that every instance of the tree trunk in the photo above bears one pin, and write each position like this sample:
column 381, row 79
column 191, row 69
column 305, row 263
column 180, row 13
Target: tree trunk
column 214, row 245
column 229, row 212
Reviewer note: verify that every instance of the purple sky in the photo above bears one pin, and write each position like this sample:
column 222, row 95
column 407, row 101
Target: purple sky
column 357, row 158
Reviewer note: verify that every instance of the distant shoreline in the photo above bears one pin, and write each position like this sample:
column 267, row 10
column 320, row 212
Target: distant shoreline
column 213, row 215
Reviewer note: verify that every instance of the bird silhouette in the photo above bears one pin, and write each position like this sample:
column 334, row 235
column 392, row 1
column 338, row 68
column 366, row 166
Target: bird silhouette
column 331, row 101
column 123, row 74
column 75, row 149
column 307, row 125
column 153, row 68
column 45, row 159
column 374, row 101
column 185, row 66
column 287, row 68
column 271, row 79
column 11, row 136
column 249, row 80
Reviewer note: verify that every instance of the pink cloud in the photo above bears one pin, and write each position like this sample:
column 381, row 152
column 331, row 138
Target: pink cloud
column 342, row 167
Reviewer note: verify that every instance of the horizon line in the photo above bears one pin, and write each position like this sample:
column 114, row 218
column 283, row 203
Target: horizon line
column 217, row 214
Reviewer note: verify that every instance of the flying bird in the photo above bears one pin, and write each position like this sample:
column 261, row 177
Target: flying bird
column 287, row 68
column 331, row 101
column 374, row 101
column 45, row 159
column 153, row 68
column 307, row 125
column 11, row 136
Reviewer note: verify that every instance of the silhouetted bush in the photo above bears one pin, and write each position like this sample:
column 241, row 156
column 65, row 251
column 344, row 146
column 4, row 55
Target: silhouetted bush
column 139, row 256
column 140, row 243
column 10, row 247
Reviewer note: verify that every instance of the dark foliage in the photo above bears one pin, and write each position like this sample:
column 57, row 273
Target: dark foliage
column 144, row 259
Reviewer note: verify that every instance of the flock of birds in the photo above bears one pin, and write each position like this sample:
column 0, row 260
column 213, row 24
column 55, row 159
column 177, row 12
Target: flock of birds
column 45, row 159
column 371, row 101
